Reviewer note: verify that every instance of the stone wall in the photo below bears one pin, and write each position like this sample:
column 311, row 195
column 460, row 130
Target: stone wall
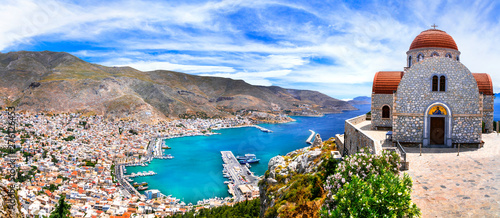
column 427, row 52
column 355, row 139
column 415, row 95
column 488, row 101
column 408, row 129
column 378, row 101
column 466, row 130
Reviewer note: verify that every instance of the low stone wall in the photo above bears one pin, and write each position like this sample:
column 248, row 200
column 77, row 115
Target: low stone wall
column 339, row 141
column 355, row 139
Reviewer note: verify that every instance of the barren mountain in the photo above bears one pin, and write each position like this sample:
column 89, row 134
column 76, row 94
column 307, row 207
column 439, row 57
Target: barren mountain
column 59, row 82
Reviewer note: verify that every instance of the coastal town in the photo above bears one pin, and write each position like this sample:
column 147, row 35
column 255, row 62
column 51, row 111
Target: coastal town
column 84, row 157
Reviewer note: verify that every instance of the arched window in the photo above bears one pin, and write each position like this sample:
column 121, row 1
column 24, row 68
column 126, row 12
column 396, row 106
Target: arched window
column 442, row 83
column 409, row 61
column 420, row 57
column 386, row 112
column 434, row 83
column 448, row 55
column 434, row 54
column 458, row 58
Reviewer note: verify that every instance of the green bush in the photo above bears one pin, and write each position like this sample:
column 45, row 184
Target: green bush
column 364, row 184
column 386, row 194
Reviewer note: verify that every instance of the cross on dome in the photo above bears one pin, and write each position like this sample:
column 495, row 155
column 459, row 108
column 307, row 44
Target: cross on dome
column 434, row 26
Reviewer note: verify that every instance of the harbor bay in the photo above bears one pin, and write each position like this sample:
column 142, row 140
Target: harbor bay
column 196, row 171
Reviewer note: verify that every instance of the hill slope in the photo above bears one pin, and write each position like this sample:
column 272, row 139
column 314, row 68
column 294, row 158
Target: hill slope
column 60, row 82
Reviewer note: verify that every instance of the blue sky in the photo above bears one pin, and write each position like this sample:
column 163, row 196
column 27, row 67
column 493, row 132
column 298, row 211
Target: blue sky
column 331, row 46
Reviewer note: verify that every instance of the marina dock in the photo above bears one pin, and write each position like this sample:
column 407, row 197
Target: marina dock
column 238, row 174
column 311, row 137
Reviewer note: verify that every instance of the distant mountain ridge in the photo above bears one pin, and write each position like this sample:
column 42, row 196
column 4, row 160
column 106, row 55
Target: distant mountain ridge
column 60, row 82
column 360, row 100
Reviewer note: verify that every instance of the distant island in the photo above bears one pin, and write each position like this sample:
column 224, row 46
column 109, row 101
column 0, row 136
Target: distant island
column 360, row 100
column 58, row 82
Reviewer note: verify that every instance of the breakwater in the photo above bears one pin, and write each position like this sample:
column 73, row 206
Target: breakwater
column 309, row 140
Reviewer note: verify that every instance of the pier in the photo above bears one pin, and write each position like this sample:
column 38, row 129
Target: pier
column 158, row 151
column 311, row 137
column 262, row 129
column 239, row 175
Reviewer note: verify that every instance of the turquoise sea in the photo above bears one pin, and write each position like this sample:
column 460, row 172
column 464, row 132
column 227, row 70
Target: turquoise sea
column 196, row 171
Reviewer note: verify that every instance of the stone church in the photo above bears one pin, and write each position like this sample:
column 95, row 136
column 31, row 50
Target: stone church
column 436, row 100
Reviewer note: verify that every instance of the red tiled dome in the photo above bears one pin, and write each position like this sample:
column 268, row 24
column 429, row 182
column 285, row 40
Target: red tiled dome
column 433, row 38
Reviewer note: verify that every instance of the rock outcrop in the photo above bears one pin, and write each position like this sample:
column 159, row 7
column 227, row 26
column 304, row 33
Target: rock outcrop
column 282, row 168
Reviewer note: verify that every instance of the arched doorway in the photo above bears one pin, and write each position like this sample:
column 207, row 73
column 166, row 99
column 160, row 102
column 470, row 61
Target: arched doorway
column 437, row 127
column 436, row 136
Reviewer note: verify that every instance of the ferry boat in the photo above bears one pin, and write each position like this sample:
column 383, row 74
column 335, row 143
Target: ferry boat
column 135, row 184
column 142, row 188
column 253, row 160
column 143, row 184
column 246, row 157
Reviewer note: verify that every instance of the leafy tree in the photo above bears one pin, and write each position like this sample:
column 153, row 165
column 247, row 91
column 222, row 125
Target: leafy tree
column 61, row 210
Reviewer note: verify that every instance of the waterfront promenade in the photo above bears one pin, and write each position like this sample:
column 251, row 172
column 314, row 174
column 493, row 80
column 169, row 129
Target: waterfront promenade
column 239, row 175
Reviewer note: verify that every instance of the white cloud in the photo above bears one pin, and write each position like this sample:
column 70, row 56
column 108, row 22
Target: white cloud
column 195, row 69
column 202, row 38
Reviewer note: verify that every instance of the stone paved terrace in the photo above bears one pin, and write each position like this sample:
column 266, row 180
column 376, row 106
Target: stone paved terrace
column 447, row 185
column 379, row 135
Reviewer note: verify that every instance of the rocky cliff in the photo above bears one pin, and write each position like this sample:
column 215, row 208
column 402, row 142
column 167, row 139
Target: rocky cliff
column 292, row 186
column 59, row 82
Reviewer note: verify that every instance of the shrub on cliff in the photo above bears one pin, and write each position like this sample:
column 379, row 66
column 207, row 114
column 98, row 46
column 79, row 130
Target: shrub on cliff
column 367, row 185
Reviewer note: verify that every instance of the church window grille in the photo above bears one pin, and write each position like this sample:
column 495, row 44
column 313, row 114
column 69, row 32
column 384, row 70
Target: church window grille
column 434, row 83
column 434, row 54
column 409, row 61
column 448, row 55
column 386, row 112
column 458, row 58
column 442, row 83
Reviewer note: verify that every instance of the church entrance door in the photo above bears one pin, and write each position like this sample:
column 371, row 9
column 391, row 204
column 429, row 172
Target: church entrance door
column 437, row 131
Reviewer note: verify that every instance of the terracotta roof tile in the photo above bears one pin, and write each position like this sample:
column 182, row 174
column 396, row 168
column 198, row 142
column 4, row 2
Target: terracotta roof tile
column 484, row 83
column 386, row 82
column 433, row 38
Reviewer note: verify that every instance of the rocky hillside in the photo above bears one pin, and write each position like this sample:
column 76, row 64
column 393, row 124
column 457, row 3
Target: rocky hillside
column 292, row 186
column 60, row 82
